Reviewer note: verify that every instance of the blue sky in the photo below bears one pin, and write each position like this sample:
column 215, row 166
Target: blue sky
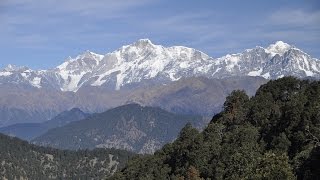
column 41, row 34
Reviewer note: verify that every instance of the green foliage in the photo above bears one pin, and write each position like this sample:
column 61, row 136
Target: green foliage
column 235, row 108
column 273, row 135
column 272, row 166
column 240, row 153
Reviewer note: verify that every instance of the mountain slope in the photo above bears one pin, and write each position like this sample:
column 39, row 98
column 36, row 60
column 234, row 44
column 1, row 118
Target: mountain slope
column 22, row 103
column 131, row 127
column 20, row 160
column 197, row 95
column 28, row 131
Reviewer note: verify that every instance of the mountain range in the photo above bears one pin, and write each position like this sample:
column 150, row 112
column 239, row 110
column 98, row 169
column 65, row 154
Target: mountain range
column 145, row 61
column 145, row 73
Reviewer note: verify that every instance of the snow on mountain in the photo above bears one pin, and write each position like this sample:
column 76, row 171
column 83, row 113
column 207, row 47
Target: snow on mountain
column 133, row 63
column 73, row 70
column 5, row 73
column 145, row 61
column 20, row 75
column 278, row 48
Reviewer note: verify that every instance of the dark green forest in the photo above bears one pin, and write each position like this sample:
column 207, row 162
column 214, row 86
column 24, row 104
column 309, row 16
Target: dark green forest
column 21, row 160
column 272, row 135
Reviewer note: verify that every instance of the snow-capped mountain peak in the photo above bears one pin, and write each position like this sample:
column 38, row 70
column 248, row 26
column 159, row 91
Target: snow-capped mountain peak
column 143, row 60
column 80, row 60
column 88, row 54
column 279, row 47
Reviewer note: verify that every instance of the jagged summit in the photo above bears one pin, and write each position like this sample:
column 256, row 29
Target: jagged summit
column 143, row 61
column 144, row 41
column 279, row 47
column 139, row 44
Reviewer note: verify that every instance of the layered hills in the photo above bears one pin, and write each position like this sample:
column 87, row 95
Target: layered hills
column 23, row 105
column 133, row 127
column 271, row 135
column 28, row 131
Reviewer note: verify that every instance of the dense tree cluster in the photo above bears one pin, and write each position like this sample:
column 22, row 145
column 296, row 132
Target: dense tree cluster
column 273, row 135
column 21, row 160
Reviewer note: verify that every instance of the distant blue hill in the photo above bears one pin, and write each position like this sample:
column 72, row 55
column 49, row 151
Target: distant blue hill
column 28, row 131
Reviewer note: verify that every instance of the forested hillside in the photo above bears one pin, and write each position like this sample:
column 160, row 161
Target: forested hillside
column 140, row 129
column 20, row 160
column 273, row 135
